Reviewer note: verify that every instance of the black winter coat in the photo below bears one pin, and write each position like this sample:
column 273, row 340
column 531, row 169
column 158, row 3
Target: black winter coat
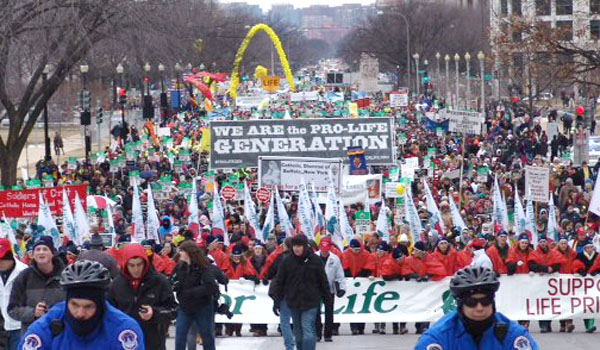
column 300, row 281
column 155, row 291
column 195, row 286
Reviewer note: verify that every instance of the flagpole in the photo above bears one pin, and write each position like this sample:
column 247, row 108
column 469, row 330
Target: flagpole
column 462, row 166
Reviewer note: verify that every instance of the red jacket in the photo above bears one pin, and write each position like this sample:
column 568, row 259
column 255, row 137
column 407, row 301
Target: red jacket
column 426, row 266
column 463, row 259
column 392, row 268
column 497, row 260
column 220, row 258
column 448, row 260
column 356, row 262
column 546, row 259
column 378, row 261
column 515, row 254
column 570, row 256
column 270, row 260
column 243, row 269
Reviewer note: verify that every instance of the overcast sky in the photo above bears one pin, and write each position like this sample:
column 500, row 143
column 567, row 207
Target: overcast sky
column 266, row 4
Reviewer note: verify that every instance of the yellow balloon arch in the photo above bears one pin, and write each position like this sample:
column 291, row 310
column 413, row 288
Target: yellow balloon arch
column 235, row 78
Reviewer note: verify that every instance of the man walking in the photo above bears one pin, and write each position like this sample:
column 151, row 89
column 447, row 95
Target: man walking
column 301, row 282
column 10, row 268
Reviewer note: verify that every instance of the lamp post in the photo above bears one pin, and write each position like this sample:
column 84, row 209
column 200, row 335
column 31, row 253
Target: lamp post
column 163, row 95
column 468, row 60
column 416, row 57
column 456, row 60
column 48, row 156
column 84, row 69
column 481, row 58
column 147, row 69
column 177, row 82
column 437, row 60
column 425, row 75
column 447, row 60
column 397, row 77
column 380, row 12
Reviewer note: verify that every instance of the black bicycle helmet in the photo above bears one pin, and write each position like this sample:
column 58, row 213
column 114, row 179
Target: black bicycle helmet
column 474, row 279
column 85, row 273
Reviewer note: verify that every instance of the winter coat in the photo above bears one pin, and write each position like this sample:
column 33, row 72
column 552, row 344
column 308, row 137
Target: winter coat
column 154, row 291
column 540, row 261
column 5, row 291
column 498, row 260
column 300, row 281
column 359, row 264
column 195, row 286
column 426, row 266
column 514, row 256
column 334, row 272
column 31, row 287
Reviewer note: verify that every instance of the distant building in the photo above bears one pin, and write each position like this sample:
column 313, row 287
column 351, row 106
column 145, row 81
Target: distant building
column 241, row 8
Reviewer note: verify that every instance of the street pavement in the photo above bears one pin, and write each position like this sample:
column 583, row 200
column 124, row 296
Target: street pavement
column 572, row 341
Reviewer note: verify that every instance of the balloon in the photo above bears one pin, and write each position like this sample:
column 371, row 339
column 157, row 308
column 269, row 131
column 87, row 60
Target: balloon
column 260, row 72
column 579, row 110
column 400, row 189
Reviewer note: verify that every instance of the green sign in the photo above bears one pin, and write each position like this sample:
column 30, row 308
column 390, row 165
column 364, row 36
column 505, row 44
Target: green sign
column 234, row 177
column 165, row 179
column 16, row 188
column 362, row 215
column 33, row 183
column 488, row 77
column 156, row 186
column 135, row 173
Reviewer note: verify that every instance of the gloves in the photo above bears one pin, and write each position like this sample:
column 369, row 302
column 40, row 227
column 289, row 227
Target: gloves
column 582, row 272
column 371, row 278
column 340, row 293
column 520, row 263
column 276, row 308
column 256, row 280
column 265, row 282
column 413, row 276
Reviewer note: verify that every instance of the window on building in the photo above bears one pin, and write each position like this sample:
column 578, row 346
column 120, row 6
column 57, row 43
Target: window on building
column 542, row 7
column 504, row 7
column 595, row 29
column 566, row 29
column 564, row 7
column 516, row 7
column 594, row 7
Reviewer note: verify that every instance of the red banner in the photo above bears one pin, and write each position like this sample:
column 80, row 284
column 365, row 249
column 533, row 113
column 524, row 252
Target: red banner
column 25, row 203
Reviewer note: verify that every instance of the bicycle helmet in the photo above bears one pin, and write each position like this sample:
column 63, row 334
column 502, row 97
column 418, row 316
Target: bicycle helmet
column 85, row 273
column 474, row 279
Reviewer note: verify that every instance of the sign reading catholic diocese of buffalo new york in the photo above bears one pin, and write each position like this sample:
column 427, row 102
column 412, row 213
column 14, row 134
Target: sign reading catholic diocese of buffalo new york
column 239, row 143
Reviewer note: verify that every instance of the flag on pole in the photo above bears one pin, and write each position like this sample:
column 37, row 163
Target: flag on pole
column 69, row 226
column 250, row 213
column 284, row 218
column 499, row 214
column 46, row 223
column 383, row 226
column 7, row 231
column 435, row 217
column 367, row 203
column 218, row 217
column 345, row 227
column 194, row 218
column 81, row 221
column 269, row 223
column 552, row 224
column 457, row 219
column 519, row 215
column 319, row 222
column 109, row 218
column 137, row 219
column 412, row 216
column 305, row 211
column 530, row 225
column 152, row 222
column 332, row 213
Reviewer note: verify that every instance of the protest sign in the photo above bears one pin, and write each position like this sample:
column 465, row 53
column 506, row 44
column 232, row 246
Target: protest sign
column 362, row 222
column 520, row 297
column 304, row 96
column 249, row 101
column 285, row 173
column 270, row 83
column 355, row 186
column 537, row 183
column 238, row 143
column 358, row 164
column 25, row 203
column 464, row 122
column 399, row 98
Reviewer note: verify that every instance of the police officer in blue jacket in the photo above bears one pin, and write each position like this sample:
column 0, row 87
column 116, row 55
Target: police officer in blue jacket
column 475, row 324
column 85, row 320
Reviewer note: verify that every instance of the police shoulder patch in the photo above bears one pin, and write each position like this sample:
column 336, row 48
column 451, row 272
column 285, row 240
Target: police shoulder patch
column 522, row 343
column 434, row 346
column 128, row 339
column 32, row 342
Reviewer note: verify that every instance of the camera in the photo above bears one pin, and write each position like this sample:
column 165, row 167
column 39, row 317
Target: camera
column 223, row 309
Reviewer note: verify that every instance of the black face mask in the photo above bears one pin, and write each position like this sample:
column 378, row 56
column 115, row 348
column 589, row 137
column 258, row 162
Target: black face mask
column 83, row 328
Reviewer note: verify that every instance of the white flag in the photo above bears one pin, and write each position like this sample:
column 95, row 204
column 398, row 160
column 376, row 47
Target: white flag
column 499, row 214
column 412, row 216
column 345, row 227
column 305, row 211
column 250, row 213
column 8, row 232
column 332, row 214
column 194, row 218
column 69, row 226
column 218, row 217
column 457, row 219
column 109, row 219
column 552, row 224
column 269, row 223
column 519, row 215
column 383, row 226
column 435, row 217
column 595, row 202
column 284, row 218
column 530, row 214
column 47, row 223
column 152, row 222
column 137, row 219
column 81, row 221
column 319, row 223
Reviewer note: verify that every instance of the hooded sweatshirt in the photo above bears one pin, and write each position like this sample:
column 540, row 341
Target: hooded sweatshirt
column 133, row 251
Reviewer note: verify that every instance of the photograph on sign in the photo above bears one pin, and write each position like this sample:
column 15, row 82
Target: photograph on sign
column 355, row 187
column 239, row 143
column 537, row 183
column 286, row 173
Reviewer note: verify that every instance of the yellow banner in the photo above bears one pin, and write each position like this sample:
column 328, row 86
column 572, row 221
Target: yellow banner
column 270, row 83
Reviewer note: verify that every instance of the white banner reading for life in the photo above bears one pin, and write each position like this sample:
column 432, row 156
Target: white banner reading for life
column 520, row 297
column 537, row 183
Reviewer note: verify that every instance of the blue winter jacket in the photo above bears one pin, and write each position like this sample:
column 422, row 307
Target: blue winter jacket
column 118, row 331
column 449, row 333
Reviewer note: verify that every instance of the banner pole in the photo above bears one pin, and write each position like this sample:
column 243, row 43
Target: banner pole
column 462, row 166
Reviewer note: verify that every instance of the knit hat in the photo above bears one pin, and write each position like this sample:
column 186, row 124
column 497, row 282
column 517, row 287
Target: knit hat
column 420, row 246
column 383, row 246
column 47, row 241
column 543, row 238
column 523, row 237
column 398, row 252
column 325, row 244
column 236, row 251
column 354, row 243
column 299, row 240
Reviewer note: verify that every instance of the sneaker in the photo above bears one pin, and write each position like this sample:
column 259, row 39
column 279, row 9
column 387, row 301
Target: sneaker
column 403, row 331
column 396, row 331
column 354, row 331
column 362, row 331
column 328, row 340
column 570, row 328
column 591, row 329
column 376, row 331
column 382, row 331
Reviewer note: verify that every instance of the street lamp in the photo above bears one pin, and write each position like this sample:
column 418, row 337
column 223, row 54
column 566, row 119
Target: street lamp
column 468, row 60
column 202, row 67
column 447, row 60
column 481, row 58
column 425, row 74
column 437, row 59
column 163, row 95
column 456, row 60
column 397, row 76
column 147, row 69
column 84, row 69
column 379, row 13
column 416, row 57
column 48, row 157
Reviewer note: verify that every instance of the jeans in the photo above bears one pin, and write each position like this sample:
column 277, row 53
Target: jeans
column 14, row 337
column 204, row 319
column 285, row 326
column 304, row 328
column 191, row 337
column 328, row 319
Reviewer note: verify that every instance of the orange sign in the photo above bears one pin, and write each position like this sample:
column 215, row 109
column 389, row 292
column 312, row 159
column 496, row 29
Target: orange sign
column 270, row 83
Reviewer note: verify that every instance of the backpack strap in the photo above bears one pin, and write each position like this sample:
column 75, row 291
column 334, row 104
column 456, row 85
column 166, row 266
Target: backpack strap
column 501, row 330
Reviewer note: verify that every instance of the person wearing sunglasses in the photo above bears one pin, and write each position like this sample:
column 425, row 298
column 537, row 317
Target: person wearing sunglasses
column 475, row 324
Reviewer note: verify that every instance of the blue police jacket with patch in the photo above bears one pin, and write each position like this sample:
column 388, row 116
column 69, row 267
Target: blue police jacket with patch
column 117, row 331
column 449, row 333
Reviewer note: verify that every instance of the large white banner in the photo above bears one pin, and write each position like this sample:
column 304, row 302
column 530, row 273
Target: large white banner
column 286, row 172
column 537, row 183
column 304, row 96
column 521, row 297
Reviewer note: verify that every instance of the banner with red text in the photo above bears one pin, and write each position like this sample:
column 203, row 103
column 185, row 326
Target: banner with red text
column 25, row 203
column 521, row 297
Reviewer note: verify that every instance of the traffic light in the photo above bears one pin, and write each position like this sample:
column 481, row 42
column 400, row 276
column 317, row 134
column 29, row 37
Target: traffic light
column 85, row 117
column 99, row 114
column 147, row 108
column 85, row 100
column 122, row 96
column 163, row 100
